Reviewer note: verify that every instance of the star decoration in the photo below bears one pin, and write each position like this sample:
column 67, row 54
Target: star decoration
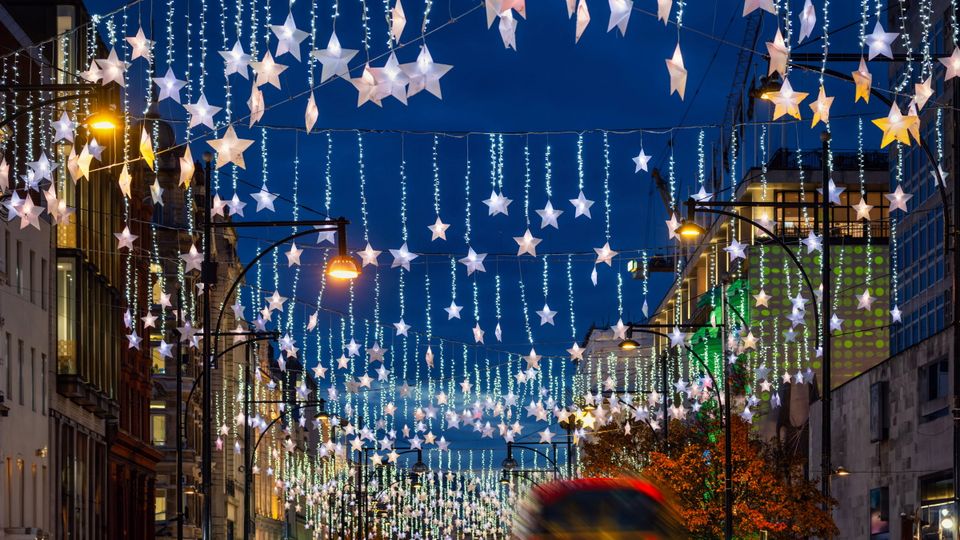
column 813, row 242
column 863, row 209
column 619, row 330
column 111, row 69
column 293, row 255
column 367, row 88
column 42, row 168
column 275, row 302
column 678, row 73
column 268, row 71
column 836, row 323
column 230, row 149
column 289, row 37
column 264, row 199
column 620, row 15
column 702, row 195
column 879, row 42
column 202, row 112
column 895, row 314
column 369, row 255
column 236, row 205
column 508, row 30
column 156, row 192
column 125, row 239
column 672, row 225
column 575, row 352
column 398, row 20
column 527, row 244
column 865, row 301
column 863, row 79
column 952, row 64
column 334, row 59
column 453, row 312
column 391, row 80
column 605, row 255
column 548, row 216
column 140, row 46
column 778, row 53
column 532, row 359
column 546, row 315
column 169, row 85
column 663, row 10
column 808, row 20
column 439, row 230
column 29, row 214
column 425, row 74
column 402, row 257
column 833, row 192
column 236, row 61
column 749, row 6
column 898, row 199
column 583, row 19
column 256, row 105
column 821, row 107
column 736, row 250
column 63, row 128
column 497, row 204
column 762, row 298
column 93, row 73
column 477, row 334
column 896, row 126
column 473, row 261
column 677, row 338
column 192, row 258
column 923, row 92
column 582, row 205
column 641, row 161
column 940, row 180
column 311, row 113
column 787, row 101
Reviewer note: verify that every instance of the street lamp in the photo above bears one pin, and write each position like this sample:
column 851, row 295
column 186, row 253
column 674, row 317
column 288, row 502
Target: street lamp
column 103, row 121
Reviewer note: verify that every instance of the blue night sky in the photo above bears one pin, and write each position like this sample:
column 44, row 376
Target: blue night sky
column 606, row 82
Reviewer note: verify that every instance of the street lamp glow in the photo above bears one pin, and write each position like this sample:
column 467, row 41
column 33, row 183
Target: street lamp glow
column 343, row 267
column 690, row 230
column 629, row 345
column 103, row 121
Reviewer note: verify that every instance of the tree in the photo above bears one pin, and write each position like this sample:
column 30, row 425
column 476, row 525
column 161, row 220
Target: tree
column 770, row 493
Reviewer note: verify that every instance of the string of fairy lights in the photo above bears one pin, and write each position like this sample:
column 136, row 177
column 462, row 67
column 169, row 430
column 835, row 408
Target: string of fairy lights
column 470, row 374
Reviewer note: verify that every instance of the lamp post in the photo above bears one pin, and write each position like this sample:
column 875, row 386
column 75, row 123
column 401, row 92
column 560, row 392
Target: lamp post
column 103, row 120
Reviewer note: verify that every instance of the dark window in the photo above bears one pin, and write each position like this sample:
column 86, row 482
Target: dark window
column 880, row 513
column 934, row 386
column 879, row 412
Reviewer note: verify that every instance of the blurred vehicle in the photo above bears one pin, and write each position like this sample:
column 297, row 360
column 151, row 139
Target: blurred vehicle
column 598, row 509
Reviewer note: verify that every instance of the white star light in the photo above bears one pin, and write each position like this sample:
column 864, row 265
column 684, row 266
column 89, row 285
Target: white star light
column 202, row 112
column 111, row 69
column 736, row 250
column 527, row 244
column 582, row 205
column 497, row 204
column 439, row 230
column 879, row 42
column 289, row 37
column 865, row 301
column 677, row 338
column 140, row 46
column 863, row 209
column 293, row 255
column 63, row 128
column 335, row 59
column 898, row 199
column 605, row 255
column 230, row 149
column 548, row 216
column 268, row 71
column 813, row 242
column 192, row 258
column 169, row 85
column 236, row 61
column 952, row 63
column 264, row 199
column 425, row 74
column 402, row 257
column 546, row 315
column 453, row 312
column 473, row 261
column 125, row 239
column 369, row 255
column 641, row 161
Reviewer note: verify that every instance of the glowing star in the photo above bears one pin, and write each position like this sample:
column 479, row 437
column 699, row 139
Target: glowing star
column 156, row 192
column 641, row 161
column 140, row 46
column 672, row 225
column 439, row 230
column 293, row 256
column 369, row 255
column 29, row 214
column 778, row 53
column 125, row 239
column 813, row 242
column 678, row 73
column 620, row 15
column 749, row 341
column 548, row 216
column 498, row 332
column 256, row 105
column 268, row 71
column 497, row 204
column 677, row 338
column 575, row 352
column 187, row 168
column 42, row 168
column 264, row 199
column 230, row 148
column 619, row 330
column 391, row 80
column 923, row 92
column 605, row 254
column 335, row 59
column 313, row 320
column 376, row 353
column 749, row 6
column 473, row 261
column 896, row 126
column 63, row 128
column 833, row 192
column 202, row 112
column 836, row 323
column 398, row 20
column 527, row 244
column 236, row 206
column 532, row 359
column 275, row 302
column 895, row 314
column 289, row 37
column 311, row 113
column 583, row 19
column 663, row 10
column 402, row 257
column 879, row 42
column 367, row 88
column 236, row 61
column 546, row 315
column 939, row 176
column 192, row 259
column 582, row 206
column 821, row 107
column 477, row 334
column 787, row 101
column 428, row 357
column 93, row 73
column 865, row 301
column 808, row 20
column 4, row 175
column 146, row 148
column 169, row 85
column 703, row 195
column 898, row 199
column 425, row 74
column 508, row 30
column 863, row 209
column 736, row 250
column 863, row 79
column 112, row 69
column 952, row 63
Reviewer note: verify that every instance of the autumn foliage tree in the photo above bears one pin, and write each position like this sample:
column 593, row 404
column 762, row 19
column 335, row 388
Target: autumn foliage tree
column 770, row 492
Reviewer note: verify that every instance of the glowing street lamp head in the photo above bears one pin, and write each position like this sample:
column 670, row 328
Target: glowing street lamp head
column 103, row 121
column 690, row 230
column 343, row 267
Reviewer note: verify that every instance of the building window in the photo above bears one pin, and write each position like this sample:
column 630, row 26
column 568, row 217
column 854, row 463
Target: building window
column 31, row 280
column 160, row 506
column 934, row 386
column 44, row 276
column 879, row 412
column 158, row 362
column 6, row 253
column 158, row 429
column 20, row 362
column 66, row 316
column 9, row 360
column 880, row 513
column 19, row 276
column 43, row 384
column 33, row 379
column 936, row 504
